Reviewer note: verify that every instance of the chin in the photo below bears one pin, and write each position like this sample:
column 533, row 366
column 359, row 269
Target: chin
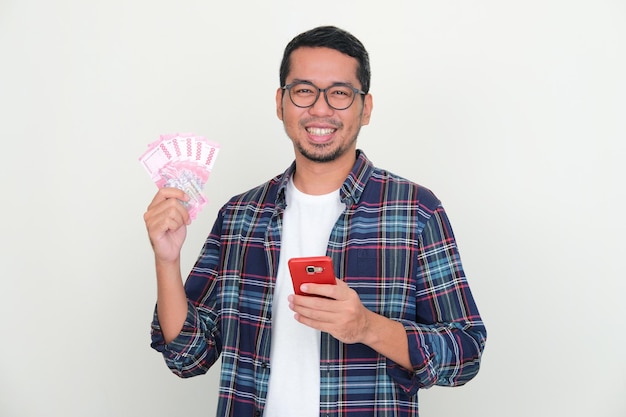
column 320, row 154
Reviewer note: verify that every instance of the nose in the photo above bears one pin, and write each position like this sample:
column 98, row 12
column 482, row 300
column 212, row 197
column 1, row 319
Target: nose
column 321, row 107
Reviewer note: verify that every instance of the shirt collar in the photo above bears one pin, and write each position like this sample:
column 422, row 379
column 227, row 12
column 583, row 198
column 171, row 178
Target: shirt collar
column 351, row 189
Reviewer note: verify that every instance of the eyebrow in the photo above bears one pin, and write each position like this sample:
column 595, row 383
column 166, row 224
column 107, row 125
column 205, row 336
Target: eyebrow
column 299, row 80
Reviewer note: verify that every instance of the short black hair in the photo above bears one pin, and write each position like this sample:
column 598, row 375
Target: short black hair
column 333, row 38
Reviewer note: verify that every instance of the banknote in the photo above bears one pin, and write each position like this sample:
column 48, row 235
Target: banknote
column 183, row 161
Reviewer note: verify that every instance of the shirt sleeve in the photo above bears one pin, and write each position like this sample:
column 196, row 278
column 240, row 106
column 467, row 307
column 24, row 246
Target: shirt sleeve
column 448, row 337
column 195, row 348
column 198, row 346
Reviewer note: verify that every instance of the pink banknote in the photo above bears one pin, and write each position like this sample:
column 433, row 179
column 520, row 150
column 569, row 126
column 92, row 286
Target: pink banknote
column 183, row 161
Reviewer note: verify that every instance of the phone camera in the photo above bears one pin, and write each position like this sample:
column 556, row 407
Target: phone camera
column 310, row 269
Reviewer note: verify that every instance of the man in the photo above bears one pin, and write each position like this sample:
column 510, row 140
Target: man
column 401, row 315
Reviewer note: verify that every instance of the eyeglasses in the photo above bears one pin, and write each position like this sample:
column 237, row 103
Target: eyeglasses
column 339, row 96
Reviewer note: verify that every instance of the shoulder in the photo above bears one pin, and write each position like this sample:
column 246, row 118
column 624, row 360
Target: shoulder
column 263, row 194
column 393, row 187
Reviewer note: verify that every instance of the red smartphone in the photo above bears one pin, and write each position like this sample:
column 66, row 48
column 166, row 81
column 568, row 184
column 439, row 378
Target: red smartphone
column 314, row 269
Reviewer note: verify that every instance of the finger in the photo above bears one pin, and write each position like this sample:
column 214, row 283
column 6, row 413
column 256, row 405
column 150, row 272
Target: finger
column 314, row 324
column 169, row 215
column 168, row 209
column 312, row 317
column 315, row 308
column 324, row 290
column 166, row 193
column 160, row 227
column 165, row 199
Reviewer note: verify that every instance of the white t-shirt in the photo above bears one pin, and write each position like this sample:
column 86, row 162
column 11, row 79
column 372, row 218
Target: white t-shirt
column 294, row 384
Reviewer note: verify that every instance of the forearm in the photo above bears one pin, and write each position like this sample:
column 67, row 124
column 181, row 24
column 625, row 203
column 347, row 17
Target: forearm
column 171, row 299
column 388, row 337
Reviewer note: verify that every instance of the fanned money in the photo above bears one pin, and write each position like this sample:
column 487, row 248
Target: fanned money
column 183, row 161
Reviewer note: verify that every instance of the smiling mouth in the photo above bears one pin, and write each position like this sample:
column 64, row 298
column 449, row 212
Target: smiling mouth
column 319, row 131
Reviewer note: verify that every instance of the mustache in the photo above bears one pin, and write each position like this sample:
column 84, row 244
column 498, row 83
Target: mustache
column 322, row 120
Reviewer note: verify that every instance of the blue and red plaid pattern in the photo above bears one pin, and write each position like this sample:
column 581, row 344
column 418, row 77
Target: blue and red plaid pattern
column 393, row 245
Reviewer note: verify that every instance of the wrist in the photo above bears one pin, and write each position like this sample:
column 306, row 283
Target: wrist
column 370, row 335
column 167, row 267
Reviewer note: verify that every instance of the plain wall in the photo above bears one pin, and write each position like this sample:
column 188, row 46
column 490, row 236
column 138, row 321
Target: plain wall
column 513, row 113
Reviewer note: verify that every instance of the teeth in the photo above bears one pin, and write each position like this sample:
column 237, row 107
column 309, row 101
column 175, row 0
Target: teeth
column 317, row 131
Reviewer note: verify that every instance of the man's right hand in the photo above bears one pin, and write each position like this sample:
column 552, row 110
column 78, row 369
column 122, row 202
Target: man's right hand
column 166, row 221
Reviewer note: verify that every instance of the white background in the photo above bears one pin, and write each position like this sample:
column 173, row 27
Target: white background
column 512, row 112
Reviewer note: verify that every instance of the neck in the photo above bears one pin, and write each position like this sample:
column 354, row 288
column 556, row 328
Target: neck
column 316, row 178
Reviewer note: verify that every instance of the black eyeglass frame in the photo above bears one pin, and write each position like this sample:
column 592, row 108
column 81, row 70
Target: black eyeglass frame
column 324, row 90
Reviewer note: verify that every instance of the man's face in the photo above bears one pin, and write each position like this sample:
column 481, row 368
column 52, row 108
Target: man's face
column 321, row 133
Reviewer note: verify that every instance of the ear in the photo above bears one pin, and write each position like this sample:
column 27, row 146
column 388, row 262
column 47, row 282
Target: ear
column 368, row 106
column 279, row 103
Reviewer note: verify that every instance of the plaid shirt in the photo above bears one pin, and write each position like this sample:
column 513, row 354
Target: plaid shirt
column 393, row 245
